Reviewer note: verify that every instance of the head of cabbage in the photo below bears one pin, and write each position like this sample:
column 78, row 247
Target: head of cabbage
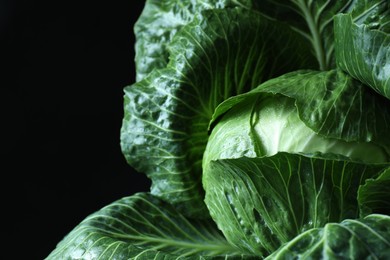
column 290, row 155
column 264, row 127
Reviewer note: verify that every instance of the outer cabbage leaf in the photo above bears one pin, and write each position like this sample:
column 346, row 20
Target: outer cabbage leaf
column 304, row 111
column 143, row 227
column 363, row 50
column 220, row 54
column 314, row 20
column 155, row 28
column 374, row 195
column 161, row 20
column 159, row 23
column 367, row 238
column 262, row 203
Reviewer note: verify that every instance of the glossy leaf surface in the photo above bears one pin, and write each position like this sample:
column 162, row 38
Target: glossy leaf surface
column 303, row 112
column 364, row 52
column 143, row 227
column 160, row 21
column 367, row 238
column 220, row 54
column 374, row 195
column 261, row 203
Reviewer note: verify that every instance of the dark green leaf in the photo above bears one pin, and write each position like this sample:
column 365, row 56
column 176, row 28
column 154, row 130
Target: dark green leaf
column 313, row 19
column 143, row 227
column 159, row 23
column 161, row 20
column 220, row 54
column 374, row 195
column 364, row 52
column 372, row 13
column 368, row 238
column 261, row 203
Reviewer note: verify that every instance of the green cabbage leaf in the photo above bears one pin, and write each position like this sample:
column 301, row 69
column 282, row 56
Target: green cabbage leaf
column 160, row 21
column 263, row 203
column 264, row 127
column 363, row 50
column 367, row 238
column 303, row 112
column 144, row 227
column 216, row 56
column 374, row 195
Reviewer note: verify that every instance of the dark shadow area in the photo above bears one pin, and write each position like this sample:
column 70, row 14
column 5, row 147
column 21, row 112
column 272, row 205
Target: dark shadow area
column 64, row 67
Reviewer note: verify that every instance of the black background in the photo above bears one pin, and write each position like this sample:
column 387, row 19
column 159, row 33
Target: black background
column 64, row 67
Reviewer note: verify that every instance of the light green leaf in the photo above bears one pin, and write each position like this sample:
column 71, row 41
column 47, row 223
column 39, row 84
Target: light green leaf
column 220, row 54
column 334, row 105
column 261, row 203
column 364, row 52
column 303, row 111
column 143, row 227
column 374, row 195
column 367, row 238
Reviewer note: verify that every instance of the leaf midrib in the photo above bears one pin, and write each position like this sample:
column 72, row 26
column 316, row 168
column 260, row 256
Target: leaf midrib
column 207, row 245
column 315, row 38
